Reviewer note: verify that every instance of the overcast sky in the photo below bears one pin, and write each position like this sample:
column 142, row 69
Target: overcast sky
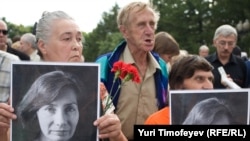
column 87, row 13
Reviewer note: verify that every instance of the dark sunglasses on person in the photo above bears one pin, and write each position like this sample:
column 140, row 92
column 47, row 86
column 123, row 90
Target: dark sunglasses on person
column 5, row 32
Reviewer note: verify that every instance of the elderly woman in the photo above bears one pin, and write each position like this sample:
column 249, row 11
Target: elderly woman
column 60, row 40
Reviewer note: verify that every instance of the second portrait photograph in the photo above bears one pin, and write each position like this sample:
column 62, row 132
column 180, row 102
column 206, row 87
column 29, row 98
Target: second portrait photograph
column 209, row 107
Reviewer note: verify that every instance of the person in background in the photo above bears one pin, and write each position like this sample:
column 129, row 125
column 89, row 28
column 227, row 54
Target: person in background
column 4, row 46
column 5, row 68
column 177, row 57
column 16, row 45
column 244, row 56
column 247, row 62
column 203, row 51
column 16, row 38
column 137, row 22
column 237, row 51
column 166, row 46
column 188, row 72
column 225, row 40
column 60, row 40
column 15, row 42
column 29, row 47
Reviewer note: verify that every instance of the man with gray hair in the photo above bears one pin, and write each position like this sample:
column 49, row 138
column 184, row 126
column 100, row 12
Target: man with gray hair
column 137, row 22
column 29, row 47
column 225, row 40
column 203, row 51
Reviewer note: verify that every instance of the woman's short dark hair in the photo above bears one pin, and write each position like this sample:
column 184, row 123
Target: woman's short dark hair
column 205, row 112
column 43, row 91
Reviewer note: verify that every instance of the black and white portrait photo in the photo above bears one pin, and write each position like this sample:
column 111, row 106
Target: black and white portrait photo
column 209, row 107
column 55, row 101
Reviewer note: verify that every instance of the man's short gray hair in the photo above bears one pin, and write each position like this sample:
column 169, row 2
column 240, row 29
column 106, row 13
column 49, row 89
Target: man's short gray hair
column 225, row 30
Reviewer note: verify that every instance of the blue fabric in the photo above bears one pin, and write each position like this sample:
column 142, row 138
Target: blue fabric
column 248, row 74
column 107, row 61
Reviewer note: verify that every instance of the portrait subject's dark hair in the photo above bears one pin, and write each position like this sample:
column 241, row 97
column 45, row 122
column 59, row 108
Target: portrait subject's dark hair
column 206, row 112
column 44, row 90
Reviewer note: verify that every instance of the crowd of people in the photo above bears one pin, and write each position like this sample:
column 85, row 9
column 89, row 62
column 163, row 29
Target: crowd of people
column 160, row 61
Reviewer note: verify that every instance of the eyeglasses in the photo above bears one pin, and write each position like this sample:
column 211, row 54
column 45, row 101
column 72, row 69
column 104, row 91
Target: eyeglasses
column 5, row 32
column 224, row 43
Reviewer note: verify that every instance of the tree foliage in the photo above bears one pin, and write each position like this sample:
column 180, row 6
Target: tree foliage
column 191, row 22
column 17, row 30
column 104, row 37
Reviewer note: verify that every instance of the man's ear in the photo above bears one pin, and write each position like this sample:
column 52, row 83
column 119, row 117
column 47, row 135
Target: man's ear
column 124, row 31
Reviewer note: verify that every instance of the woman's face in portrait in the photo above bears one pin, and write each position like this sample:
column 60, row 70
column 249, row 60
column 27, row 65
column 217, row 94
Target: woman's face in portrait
column 58, row 120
